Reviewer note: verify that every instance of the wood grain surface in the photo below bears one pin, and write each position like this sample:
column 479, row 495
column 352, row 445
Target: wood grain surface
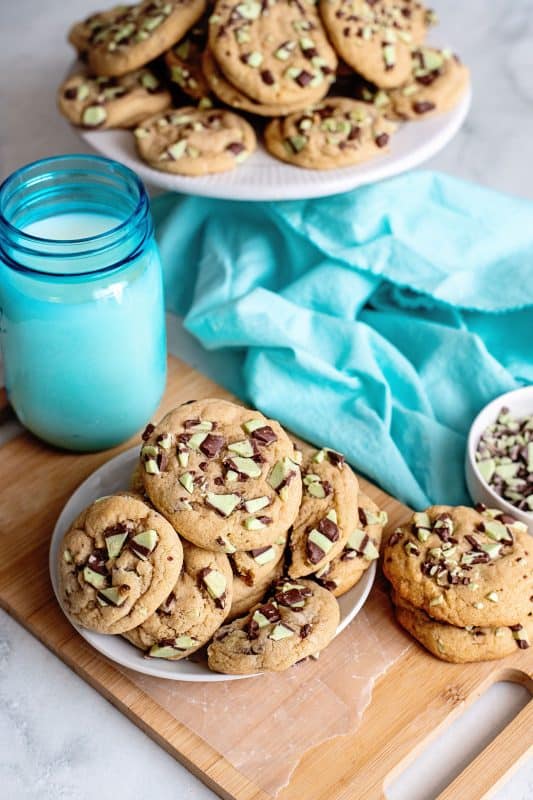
column 410, row 705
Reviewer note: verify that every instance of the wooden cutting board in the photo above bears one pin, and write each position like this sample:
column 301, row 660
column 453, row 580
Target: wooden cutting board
column 411, row 704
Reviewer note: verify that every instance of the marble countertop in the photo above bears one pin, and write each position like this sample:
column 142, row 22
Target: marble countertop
column 58, row 737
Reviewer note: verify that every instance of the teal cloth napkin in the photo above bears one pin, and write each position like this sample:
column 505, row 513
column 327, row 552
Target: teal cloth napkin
column 376, row 322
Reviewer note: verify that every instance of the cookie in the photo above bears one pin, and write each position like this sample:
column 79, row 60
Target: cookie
column 437, row 82
column 254, row 572
column 246, row 595
column 82, row 33
column 463, row 566
column 184, row 62
column 117, row 563
column 141, row 33
column 102, row 102
column 275, row 51
column 462, row 645
column 224, row 475
column 375, row 38
column 299, row 619
column 226, row 92
column 327, row 515
column 195, row 608
column 362, row 548
column 195, row 141
column 335, row 133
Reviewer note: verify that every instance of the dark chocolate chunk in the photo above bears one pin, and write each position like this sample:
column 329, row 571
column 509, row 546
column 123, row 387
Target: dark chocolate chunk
column 212, row 445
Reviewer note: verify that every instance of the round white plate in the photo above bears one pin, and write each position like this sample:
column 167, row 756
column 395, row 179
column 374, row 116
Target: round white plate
column 112, row 477
column 263, row 177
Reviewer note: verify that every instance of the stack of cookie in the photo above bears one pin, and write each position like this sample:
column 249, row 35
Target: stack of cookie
column 462, row 582
column 179, row 72
column 225, row 522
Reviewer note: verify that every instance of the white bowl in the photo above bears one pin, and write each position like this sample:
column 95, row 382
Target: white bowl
column 520, row 403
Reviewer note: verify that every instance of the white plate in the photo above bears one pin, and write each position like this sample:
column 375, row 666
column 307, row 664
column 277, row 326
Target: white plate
column 263, row 177
column 113, row 477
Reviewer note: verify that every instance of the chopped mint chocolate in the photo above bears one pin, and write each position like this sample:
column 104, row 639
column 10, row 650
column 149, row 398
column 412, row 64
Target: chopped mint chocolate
column 504, row 458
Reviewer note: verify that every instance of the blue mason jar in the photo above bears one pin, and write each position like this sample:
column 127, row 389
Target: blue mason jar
column 82, row 328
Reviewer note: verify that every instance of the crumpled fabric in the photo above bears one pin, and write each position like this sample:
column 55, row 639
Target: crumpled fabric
column 377, row 322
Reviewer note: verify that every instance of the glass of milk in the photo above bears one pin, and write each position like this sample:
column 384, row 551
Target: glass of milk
column 82, row 330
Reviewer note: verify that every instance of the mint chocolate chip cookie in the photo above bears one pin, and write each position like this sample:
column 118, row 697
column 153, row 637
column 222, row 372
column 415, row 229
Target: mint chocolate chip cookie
column 337, row 132
column 194, row 141
column 362, row 548
column 463, row 645
column 223, row 475
column 463, row 566
column 328, row 513
column 375, row 38
column 254, row 572
column 299, row 619
column 275, row 51
column 129, row 40
column 437, row 82
column 101, row 102
column 195, row 608
column 117, row 563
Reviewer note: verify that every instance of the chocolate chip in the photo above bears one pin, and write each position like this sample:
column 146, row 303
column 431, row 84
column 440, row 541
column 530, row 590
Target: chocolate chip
column 70, row 94
column 257, row 551
column 212, row 445
column 267, row 77
column 235, row 148
column 147, row 432
column 264, row 435
column 314, row 552
column 515, row 628
column 382, row 140
column 304, row 78
column 270, row 611
column 395, row 538
column 292, row 597
column 423, row 106
column 329, row 529
column 191, row 423
column 337, row 459
column 362, row 517
column 97, row 560
column 305, row 630
column 522, row 644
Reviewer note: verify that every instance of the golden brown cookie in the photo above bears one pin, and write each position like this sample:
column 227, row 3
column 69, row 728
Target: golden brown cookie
column 195, row 608
column 463, row 566
column 224, row 475
column 102, row 102
column 117, row 563
column 362, row 548
column 195, row 141
column 328, row 513
column 335, row 133
column 275, row 52
column 144, row 31
column 462, row 645
column 299, row 619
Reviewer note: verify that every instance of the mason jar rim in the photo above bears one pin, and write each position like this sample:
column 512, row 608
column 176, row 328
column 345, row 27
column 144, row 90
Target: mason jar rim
column 100, row 242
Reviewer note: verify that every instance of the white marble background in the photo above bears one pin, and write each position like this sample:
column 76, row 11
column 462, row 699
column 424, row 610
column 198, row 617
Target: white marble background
column 58, row 737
